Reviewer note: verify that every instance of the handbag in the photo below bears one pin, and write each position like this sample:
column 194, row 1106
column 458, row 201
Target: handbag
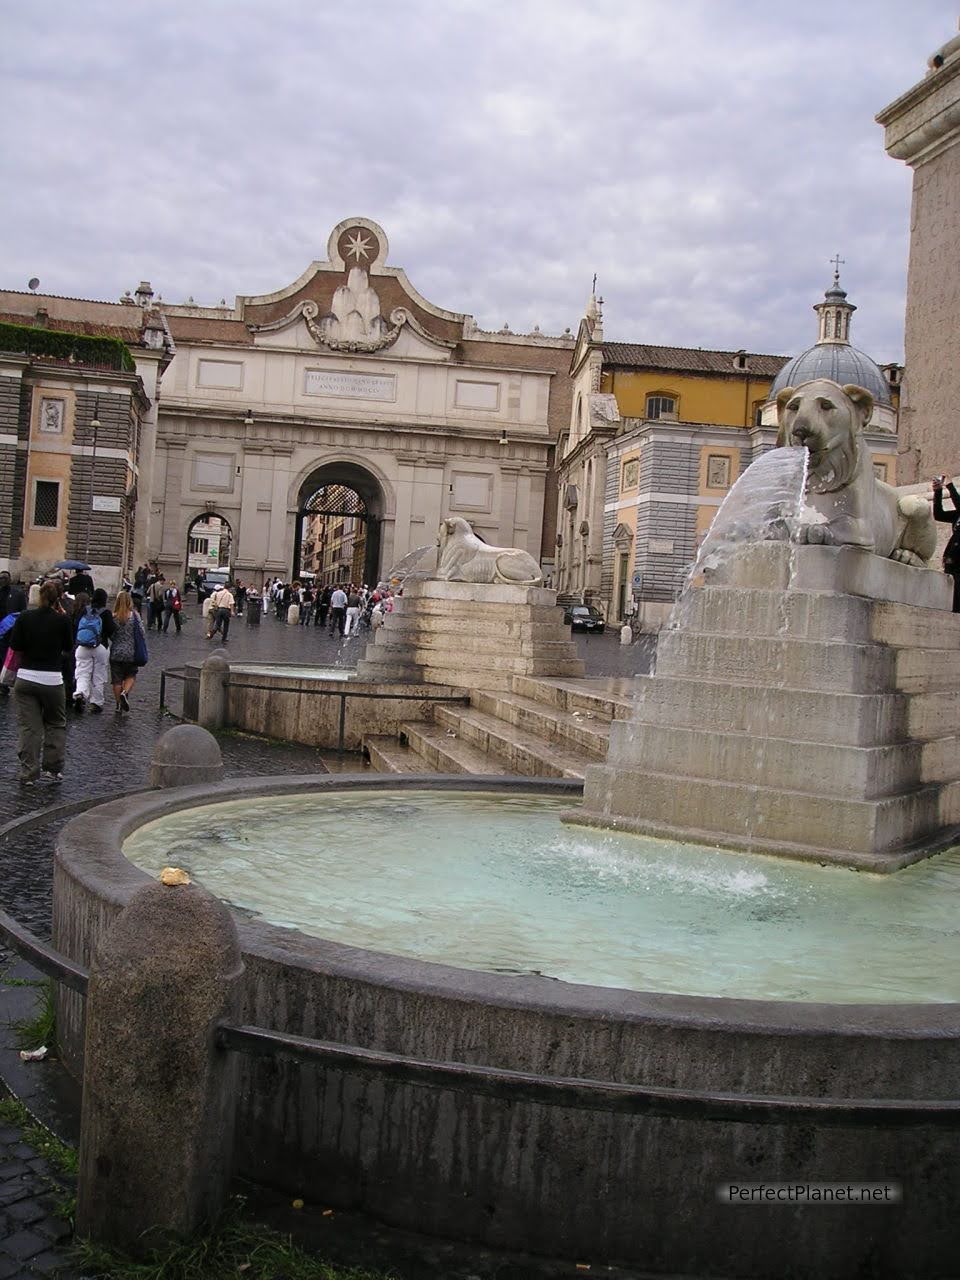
column 140, row 655
column 11, row 665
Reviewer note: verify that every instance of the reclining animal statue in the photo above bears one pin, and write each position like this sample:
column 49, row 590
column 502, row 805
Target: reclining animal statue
column 464, row 557
column 858, row 510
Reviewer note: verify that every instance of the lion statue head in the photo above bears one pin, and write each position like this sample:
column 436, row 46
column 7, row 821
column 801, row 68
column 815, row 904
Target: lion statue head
column 826, row 420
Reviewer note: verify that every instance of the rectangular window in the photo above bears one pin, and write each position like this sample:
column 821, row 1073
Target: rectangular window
column 661, row 407
column 718, row 471
column 46, row 504
column 880, row 471
column 631, row 472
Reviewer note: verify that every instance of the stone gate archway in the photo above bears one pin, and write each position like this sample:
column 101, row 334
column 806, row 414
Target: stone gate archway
column 340, row 504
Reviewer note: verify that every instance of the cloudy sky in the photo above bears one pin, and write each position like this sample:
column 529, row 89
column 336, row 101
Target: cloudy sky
column 705, row 157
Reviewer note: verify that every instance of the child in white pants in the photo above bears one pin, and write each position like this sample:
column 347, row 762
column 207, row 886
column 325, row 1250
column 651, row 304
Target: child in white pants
column 91, row 668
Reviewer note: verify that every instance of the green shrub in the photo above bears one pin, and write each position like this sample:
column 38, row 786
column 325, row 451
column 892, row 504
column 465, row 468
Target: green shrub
column 84, row 349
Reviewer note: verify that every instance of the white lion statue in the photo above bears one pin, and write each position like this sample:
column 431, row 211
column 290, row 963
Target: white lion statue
column 858, row 510
column 463, row 557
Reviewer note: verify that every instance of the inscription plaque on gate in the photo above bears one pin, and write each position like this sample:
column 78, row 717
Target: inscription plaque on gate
column 355, row 386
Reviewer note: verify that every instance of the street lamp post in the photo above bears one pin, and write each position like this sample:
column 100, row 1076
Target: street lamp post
column 93, row 428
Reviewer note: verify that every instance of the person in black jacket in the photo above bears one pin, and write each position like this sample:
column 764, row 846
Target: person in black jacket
column 951, row 554
column 42, row 636
column 12, row 600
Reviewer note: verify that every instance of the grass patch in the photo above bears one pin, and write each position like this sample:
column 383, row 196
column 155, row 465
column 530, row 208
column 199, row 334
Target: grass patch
column 60, row 1156
column 42, row 1027
column 235, row 1249
column 6, row 981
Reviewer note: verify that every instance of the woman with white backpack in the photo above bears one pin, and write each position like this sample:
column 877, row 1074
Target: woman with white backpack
column 94, row 629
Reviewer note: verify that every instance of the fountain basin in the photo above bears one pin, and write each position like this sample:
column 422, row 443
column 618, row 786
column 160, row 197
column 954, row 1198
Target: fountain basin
column 315, row 705
column 590, row 1185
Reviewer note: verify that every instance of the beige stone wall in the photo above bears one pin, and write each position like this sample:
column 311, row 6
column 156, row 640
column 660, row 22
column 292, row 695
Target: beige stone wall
column 923, row 129
column 930, row 400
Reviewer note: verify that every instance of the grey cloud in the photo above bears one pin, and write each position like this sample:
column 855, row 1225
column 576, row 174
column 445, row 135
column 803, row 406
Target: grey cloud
column 705, row 159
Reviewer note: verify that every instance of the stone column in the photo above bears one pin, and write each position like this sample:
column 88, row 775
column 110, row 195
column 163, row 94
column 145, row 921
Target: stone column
column 173, row 534
column 156, row 1140
column 923, row 129
column 214, row 676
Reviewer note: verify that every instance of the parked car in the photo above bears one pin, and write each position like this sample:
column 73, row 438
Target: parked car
column 213, row 581
column 583, row 617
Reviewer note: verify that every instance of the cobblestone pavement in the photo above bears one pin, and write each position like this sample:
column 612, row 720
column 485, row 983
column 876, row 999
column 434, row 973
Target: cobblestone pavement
column 109, row 753
column 32, row 1233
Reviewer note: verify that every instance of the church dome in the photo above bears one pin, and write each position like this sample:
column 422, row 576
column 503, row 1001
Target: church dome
column 840, row 363
column 832, row 356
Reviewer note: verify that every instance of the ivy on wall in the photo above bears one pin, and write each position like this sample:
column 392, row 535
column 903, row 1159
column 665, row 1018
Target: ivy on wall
column 110, row 353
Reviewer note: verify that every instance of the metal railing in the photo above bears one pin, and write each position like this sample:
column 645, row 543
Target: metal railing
column 516, row 1086
column 179, row 673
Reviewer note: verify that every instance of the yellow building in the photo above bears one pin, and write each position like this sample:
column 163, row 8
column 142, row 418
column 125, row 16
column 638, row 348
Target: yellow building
column 657, row 437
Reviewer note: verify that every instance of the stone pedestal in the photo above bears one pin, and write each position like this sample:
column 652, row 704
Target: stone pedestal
column 922, row 128
column 808, row 706
column 471, row 636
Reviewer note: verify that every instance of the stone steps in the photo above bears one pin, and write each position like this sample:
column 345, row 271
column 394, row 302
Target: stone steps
column 576, row 730
column 388, row 755
column 461, row 665
column 828, row 768
column 445, row 752
column 769, row 818
column 471, row 635
column 582, row 695
column 524, row 752
column 854, row 719
column 806, row 664
column 822, row 616
column 777, row 660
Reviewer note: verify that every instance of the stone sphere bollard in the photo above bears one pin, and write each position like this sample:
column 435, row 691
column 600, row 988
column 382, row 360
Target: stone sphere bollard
column 156, row 1139
column 186, row 755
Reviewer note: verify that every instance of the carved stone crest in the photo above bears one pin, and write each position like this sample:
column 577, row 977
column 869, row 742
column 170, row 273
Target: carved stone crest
column 354, row 322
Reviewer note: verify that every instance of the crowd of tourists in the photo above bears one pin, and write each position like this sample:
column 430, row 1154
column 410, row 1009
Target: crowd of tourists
column 344, row 609
column 60, row 644
column 63, row 643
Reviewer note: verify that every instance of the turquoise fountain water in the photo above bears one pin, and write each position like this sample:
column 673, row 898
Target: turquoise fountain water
column 495, row 882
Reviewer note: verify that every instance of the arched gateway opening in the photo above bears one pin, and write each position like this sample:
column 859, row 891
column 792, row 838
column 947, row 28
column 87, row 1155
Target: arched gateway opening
column 209, row 545
column 339, row 517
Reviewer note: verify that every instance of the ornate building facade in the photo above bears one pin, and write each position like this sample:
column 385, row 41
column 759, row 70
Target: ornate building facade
column 346, row 377
column 78, row 397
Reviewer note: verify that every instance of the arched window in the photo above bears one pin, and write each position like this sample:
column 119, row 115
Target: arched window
column 661, row 406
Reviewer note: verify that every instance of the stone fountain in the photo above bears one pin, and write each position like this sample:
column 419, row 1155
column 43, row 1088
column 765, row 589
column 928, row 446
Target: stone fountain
column 807, row 703
column 480, row 619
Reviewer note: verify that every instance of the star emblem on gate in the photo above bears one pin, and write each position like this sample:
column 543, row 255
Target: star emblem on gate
column 359, row 246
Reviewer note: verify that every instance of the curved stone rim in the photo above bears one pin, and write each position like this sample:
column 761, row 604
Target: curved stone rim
column 89, row 850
